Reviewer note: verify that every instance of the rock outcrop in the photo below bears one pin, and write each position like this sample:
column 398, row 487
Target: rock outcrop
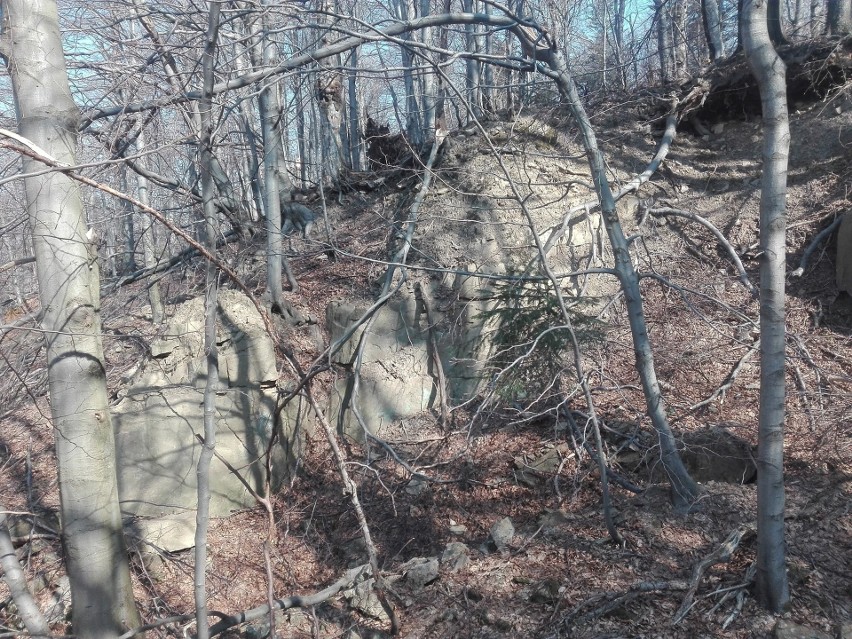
column 160, row 415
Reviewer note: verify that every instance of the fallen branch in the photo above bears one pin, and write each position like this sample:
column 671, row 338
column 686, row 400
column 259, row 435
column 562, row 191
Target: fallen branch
column 227, row 622
column 13, row 575
column 19, row 262
column 614, row 600
column 657, row 212
column 822, row 235
column 722, row 554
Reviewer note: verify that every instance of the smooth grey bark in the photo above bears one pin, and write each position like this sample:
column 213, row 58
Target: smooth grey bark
column 427, row 81
column 618, row 18
column 772, row 586
column 13, row 575
column 149, row 248
column 473, row 82
column 328, row 92
column 773, row 21
column 679, row 50
column 127, row 263
column 815, row 14
column 272, row 174
column 67, row 271
column 208, row 188
column 488, row 72
column 684, row 489
column 355, row 143
column 664, row 41
column 838, row 19
column 405, row 10
column 712, row 20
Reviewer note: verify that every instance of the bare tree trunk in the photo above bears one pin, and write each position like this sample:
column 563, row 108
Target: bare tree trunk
column 839, row 17
column 427, row 80
column 355, row 144
column 684, row 490
column 67, row 269
column 208, row 189
column 149, row 247
column 679, row 39
column 664, row 41
column 272, row 170
column 472, row 80
column 713, row 28
column 127, row 261
column 815, row 21
column 773, row 19
column 488, row 72
column 16, row 581
column 772, row 587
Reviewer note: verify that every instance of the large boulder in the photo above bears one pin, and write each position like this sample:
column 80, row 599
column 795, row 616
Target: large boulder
column 161, row 414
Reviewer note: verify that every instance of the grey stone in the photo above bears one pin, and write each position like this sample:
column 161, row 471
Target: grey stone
column 844, row 631
column 384, row 397
column 545, row 592
column 416, row 486
column 58, row 609
column 363, row 598
column 785, row 629
column 502, row 533
column 160, row 415
column 419, row 572
column 455, row 556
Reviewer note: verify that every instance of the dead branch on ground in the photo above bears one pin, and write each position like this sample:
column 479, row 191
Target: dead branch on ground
column 722, row 554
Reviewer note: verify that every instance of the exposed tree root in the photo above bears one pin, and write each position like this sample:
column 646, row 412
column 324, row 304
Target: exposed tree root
column 814, row 69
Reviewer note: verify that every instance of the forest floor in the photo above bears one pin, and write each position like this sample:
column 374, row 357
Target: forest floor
column 558, row 575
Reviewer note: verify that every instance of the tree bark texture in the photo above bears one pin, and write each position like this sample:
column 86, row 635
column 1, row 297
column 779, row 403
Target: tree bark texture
column 772, row 587
column 664, row 41
column 208, row 190
column 773, row 20
column 67, row 271
column 839, row 17
column 713, row 28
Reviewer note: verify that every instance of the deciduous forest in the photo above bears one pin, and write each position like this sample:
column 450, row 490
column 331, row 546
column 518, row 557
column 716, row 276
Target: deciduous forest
column 426, row 319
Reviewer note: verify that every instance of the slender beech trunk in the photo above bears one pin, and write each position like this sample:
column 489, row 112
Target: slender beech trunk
column 355, row 142
column 839, row 17
column 679, row 51
column 272, row 153
column 149, row 245
column 664, row 41
column 67, row 270
column 208, row 191
column 684, row 490
column 713, row 28
column 772, row 587
column 473, row 83
column 773, row 20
